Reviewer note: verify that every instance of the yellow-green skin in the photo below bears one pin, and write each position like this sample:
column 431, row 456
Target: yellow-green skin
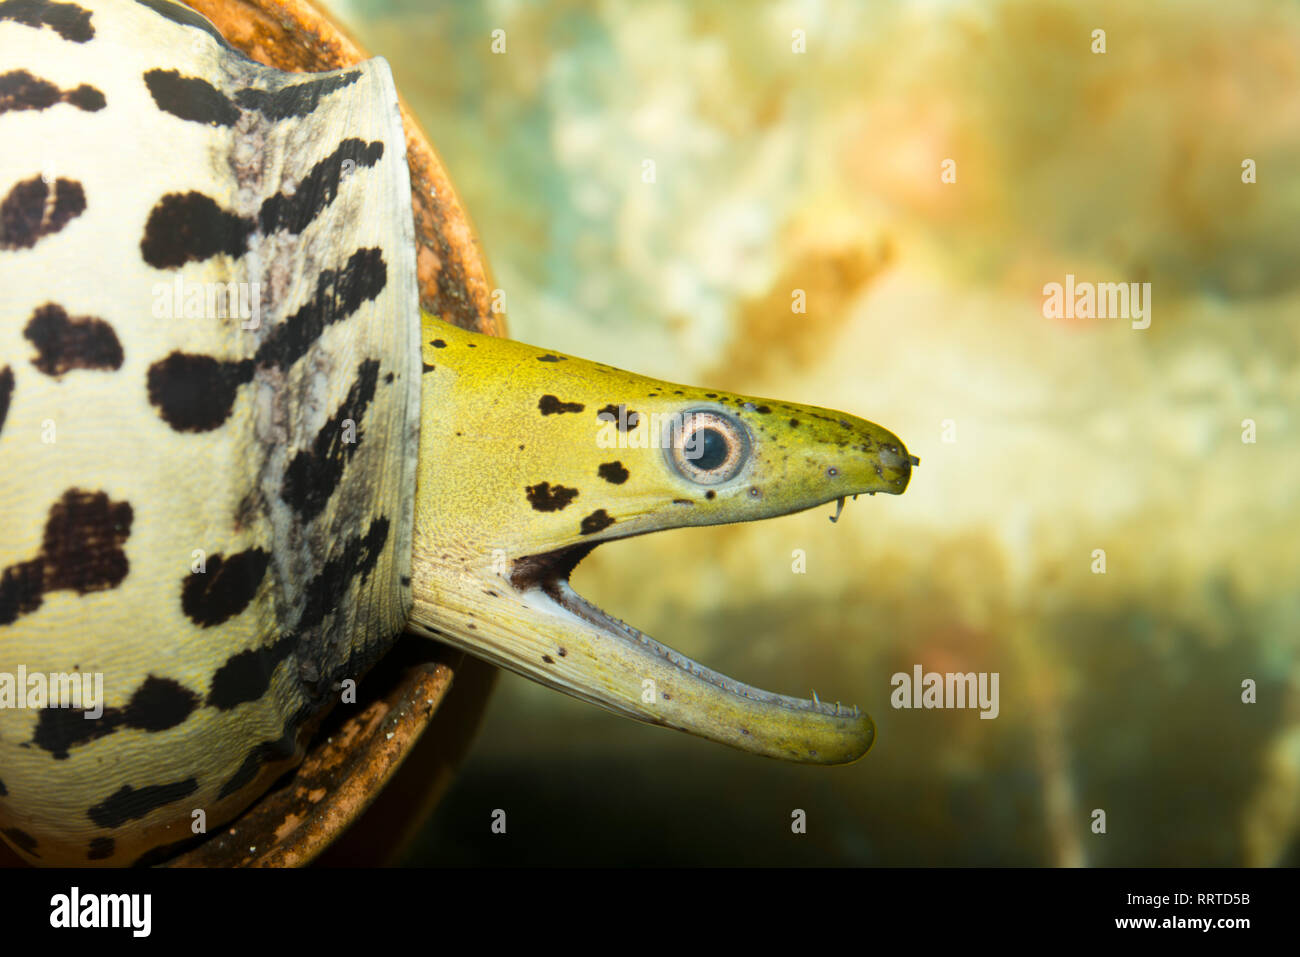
column 475, row 527
column 228, row 519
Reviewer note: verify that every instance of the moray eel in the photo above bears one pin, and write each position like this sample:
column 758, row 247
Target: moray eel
column 581, row 453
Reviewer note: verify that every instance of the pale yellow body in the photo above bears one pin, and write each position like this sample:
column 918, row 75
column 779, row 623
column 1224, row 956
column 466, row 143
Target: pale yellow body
column 157, row 507
column 218, row 518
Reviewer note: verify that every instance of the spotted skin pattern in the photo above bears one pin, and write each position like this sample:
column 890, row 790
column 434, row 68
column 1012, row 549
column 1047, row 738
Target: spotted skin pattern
column 562, row 454
column 135, row 448
column 222, row 517
column 602, row 460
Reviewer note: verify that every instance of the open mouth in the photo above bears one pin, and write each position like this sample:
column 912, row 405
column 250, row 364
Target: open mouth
column 564, row 594
column 686, row 695
column 527, row 617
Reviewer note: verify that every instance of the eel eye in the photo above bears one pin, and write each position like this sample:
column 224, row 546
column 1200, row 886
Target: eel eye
column 707, row 447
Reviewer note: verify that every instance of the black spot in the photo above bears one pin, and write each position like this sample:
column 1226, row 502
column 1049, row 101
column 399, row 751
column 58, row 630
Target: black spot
column 297, row 100
column 195, row 393
column 550, row 358
column 101, row 848
column 317, row 189
column 64, row 344
column 246, row 675
column 190, row 98
column 4, row 792
column 6, row 390
column 710, row 494
column 185, row 17
column 314, row 473
column 66, row 19
column 626, row 419
column 26, row 213
column 159, row 704
column 266, row 752
column 711, row 395
column 472, row 345
column 60, row 729
column 794, row 423
column 613, row 472
column 81, row 552
column 406, row 580
column 85, row 98
column 682, row 501
column 82, row 549
column 548, row 659
column 438, row 344
column 225, row 589
column 388, row 379
column 596, row 521
column 762, row 409
column 563, row 652
column 426, row 368
column 128, row 803
column 21, row 840
column 190, row 226
column 550, row 405
column 358, row 558
column 19, row 90
column 543, row 498
column 20, row 590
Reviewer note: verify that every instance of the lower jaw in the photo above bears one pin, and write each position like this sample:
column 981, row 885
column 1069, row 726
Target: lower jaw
column 547, row 632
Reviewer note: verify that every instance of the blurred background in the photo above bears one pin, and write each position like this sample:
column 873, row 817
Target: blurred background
column 1041, row 439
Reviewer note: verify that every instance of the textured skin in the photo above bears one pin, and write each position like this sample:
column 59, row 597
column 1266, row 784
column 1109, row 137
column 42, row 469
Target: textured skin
column 284, row 454
column 562, row 480
column 224, row 522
